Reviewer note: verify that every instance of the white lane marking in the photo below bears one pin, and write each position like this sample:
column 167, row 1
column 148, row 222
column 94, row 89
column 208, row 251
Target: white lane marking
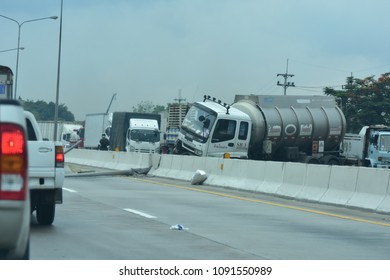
column 69, row 190
column 139, row 213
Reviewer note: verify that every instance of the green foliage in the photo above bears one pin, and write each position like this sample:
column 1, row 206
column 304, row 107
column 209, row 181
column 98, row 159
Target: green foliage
column 364, row 101
column 148, row 107
column 158, row 108
column 44, row 111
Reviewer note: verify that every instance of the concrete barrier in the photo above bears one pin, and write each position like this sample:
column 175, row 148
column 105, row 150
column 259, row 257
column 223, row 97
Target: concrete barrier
column 155, row 161
column 224, row 173
column 235, row 172
column 199, row 163
column 342, row 185
column 251, row 174
column 212, row 166
column 90, row 157
column 273, row 178
column 180, row 167
column 293, row 179
column 316, row 183
column 188, row 168
column 108, row 159
column 183, row 167
column 175, row 168
column 371, row 188
column 367, row 188
column 163, row 166
column 384, row 206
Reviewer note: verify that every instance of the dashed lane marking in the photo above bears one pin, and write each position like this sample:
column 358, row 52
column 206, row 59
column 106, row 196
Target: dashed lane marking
column 143, row 214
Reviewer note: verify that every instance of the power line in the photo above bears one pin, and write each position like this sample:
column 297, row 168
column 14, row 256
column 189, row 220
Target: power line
column 314, row 87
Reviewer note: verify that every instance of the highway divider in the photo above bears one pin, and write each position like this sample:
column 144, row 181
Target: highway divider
column 108, row 159
column 349, row 186
column 342, row 185
column 316, row 182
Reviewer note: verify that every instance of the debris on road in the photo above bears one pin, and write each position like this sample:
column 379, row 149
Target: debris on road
column 199, row 177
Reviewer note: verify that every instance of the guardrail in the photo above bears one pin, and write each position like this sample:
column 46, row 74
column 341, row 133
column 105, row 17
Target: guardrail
column 349, row 186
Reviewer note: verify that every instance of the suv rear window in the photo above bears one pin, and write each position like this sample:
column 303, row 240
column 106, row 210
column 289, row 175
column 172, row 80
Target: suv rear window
column 30, row 131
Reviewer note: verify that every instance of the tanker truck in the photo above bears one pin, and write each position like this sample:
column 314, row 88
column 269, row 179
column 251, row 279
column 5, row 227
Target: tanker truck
column 308, row 129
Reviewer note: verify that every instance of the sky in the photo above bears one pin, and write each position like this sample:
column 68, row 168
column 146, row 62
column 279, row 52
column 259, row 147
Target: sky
column 161, row 50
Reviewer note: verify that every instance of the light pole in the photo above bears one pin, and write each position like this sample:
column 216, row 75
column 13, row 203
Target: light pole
column 18, row 48
column 58, row 78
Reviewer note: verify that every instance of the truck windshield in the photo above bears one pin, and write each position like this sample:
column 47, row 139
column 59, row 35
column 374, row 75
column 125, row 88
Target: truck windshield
column 146, row 135
column 384, row 143
column 199, row 122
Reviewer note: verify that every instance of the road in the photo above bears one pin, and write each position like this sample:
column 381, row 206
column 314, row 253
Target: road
column 129, row 218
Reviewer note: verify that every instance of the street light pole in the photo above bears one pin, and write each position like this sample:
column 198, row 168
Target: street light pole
column 58, row 78
column 18, row 48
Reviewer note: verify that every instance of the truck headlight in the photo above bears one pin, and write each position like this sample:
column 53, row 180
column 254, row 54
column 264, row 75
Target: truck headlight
column 198, row 152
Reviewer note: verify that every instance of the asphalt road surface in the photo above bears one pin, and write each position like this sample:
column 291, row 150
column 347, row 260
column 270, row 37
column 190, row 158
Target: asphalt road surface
column 130, row 218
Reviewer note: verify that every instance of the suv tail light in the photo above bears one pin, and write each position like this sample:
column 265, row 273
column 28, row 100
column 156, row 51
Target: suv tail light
column 13, row 162
column 60, row 158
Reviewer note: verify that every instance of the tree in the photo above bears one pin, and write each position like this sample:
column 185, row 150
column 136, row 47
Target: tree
column 364, row 101
column 158, row 109
column 44, row 111
column 148, row 107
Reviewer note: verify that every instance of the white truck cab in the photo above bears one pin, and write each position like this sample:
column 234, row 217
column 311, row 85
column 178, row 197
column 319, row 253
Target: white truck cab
column 143, row 136
column 379, row 149
column 215, row 129
column 371, row 147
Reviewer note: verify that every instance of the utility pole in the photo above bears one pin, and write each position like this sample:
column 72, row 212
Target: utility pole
column 348, row 88
column 349, row 84
column 286, row 84
column 179, row 100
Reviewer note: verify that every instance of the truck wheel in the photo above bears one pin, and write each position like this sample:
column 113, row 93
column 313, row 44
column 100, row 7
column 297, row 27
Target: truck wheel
column 333, row 162
column 45, row 213
column 330, row 160
column 26, row 255
column 311, row 160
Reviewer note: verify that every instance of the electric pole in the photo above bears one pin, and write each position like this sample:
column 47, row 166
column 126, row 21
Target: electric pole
column 286, row 84
column 179, row 100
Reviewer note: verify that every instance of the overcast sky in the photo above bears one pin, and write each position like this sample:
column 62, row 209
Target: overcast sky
column 150, row 50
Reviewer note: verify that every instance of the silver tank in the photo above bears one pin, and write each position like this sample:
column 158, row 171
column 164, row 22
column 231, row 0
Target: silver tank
column 293, row 120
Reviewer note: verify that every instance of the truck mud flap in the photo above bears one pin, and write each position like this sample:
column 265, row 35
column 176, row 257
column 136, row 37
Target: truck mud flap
column 58, row 196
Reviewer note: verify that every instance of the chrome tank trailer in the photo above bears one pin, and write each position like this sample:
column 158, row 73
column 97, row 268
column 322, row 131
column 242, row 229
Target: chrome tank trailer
column 292, row 126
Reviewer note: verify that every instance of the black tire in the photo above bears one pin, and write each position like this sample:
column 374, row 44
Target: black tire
column 330, row 160
column 311, row 160
column 333, row 162
column 45, row 213
column 26, row 255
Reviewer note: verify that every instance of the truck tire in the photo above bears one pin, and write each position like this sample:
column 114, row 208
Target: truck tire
column 330, row 160
column 311, row 160
column 26, row 255
column 45, row 213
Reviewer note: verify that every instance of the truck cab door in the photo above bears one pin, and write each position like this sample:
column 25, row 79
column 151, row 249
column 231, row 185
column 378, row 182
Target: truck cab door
column 225, row 138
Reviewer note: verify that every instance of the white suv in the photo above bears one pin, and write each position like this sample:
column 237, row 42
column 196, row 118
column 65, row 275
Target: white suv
column 14, row 194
